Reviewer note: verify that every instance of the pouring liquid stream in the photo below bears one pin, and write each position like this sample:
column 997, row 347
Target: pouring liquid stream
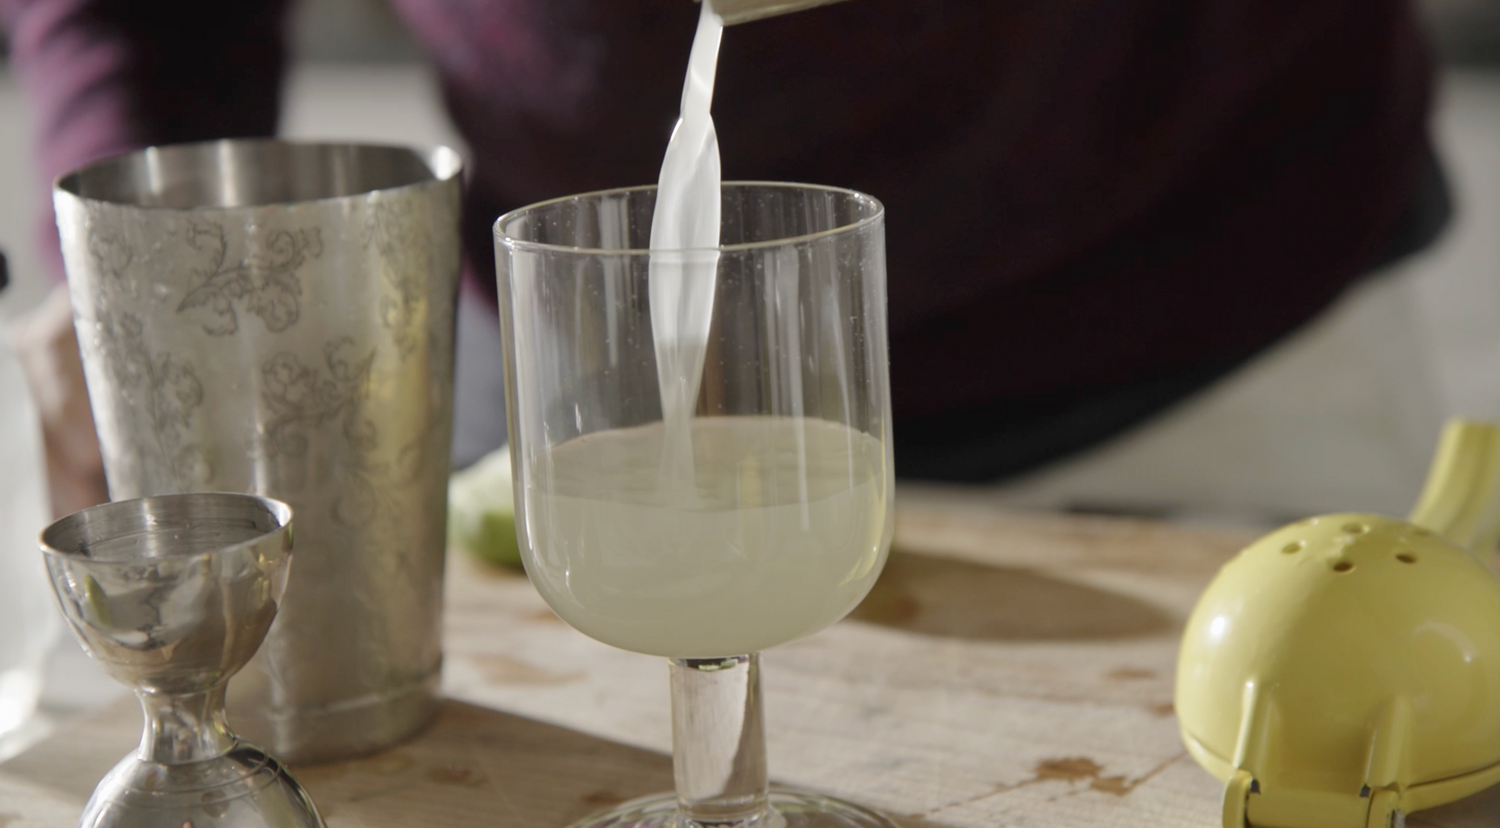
column 686, row 222
column 731, row 532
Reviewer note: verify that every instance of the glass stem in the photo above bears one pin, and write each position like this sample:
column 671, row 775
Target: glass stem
column 718, row 739
column 185, row 728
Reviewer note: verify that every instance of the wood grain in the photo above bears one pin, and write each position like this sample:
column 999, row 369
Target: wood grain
column 1008, row 670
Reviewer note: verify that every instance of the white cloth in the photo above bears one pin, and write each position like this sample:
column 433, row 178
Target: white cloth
column 1342, row 415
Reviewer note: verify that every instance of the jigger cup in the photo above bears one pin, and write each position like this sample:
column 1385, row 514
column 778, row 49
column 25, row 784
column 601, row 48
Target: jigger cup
column 172, row 595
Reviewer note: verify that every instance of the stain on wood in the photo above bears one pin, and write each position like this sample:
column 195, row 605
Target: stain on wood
column 1130, row 674
column 1079, row 769
column 501, row 669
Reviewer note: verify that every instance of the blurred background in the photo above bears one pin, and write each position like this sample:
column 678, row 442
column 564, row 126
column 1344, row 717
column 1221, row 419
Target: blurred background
column 1345, row 414
column 1363, row 440
column 1364, row 427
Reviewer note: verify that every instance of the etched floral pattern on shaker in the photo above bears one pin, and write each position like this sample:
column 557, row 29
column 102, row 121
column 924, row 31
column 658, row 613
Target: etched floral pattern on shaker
column 305, row 343
column 264, row 283
column 159, row 384
column 110, row 253
column 404, row 250
column 303, row 399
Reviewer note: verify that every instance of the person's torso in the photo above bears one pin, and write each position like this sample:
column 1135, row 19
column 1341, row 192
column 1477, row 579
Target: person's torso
column 1010, row 139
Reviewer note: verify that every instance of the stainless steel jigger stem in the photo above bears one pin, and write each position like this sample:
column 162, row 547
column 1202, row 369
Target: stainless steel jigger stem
column 172, row 595
column 186, row 728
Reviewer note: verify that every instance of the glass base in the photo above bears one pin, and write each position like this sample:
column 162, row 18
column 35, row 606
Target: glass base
column 790, row 809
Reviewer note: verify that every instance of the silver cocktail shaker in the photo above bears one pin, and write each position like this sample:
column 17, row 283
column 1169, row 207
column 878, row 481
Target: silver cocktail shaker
column 274, row 318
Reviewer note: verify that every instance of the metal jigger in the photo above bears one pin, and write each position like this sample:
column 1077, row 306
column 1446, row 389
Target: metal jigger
column 172, row 595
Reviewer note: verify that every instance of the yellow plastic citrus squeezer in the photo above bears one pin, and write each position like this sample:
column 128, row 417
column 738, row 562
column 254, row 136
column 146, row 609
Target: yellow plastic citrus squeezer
column 1344, row 670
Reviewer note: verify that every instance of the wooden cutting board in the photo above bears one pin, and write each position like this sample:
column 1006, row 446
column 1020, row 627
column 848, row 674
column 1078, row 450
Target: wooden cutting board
column 1008, row 669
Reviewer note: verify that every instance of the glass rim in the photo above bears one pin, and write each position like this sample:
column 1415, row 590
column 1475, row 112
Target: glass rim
column 280, row 510
column 443, row 162
column 513, row 243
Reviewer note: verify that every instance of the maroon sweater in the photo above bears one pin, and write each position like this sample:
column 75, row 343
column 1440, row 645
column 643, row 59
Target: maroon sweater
column 1083, row 195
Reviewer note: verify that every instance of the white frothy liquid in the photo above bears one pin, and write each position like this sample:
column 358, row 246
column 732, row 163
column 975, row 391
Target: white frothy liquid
column 782, row 533
column 686, row 217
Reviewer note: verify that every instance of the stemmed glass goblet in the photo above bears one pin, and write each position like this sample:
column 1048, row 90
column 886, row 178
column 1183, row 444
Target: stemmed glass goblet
column 171, row 595
column 762, row 518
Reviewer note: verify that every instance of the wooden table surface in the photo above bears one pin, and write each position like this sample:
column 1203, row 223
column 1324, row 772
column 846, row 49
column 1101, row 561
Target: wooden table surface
column 1007, row 670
